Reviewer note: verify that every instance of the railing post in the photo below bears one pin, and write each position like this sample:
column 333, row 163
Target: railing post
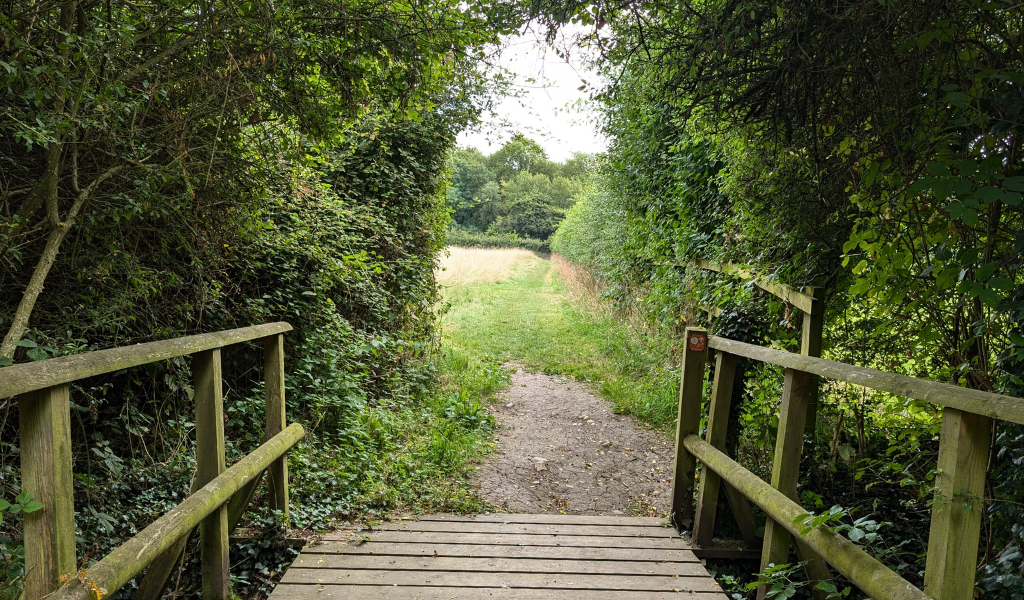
column 786, row 475
column 810, row 345
column 958, row 505
column 213, row 531
column 45, row 429
column 273, row 373
column 691, row 390
column 710, row 482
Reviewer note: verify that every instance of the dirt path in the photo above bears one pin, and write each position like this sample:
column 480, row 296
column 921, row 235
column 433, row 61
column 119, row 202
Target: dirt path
column 560, row 449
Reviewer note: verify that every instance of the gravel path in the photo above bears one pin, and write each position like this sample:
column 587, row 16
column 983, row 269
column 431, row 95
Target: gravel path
column 560, row 449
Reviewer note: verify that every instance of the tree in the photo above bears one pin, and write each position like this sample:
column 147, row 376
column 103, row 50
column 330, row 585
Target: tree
column 517, row 155
column 165, row 104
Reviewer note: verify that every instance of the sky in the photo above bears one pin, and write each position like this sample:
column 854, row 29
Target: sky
column 552, row 110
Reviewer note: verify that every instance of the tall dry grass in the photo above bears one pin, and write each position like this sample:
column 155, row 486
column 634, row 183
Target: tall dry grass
column 584, row 291
column 482, row 265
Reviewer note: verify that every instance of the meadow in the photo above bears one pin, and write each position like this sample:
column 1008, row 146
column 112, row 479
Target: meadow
column 514, row 306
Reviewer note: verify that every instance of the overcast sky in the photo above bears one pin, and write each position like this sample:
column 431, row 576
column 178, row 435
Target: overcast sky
column 551, row 110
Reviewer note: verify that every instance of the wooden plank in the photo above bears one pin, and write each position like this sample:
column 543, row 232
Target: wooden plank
column 428, row 547
column 524, row 539
column 862, row 569
column 45, row 437
column 782, row 291
column 810, row 345
column 786, row 467
column 129, row 559
column 520, row 518
column 286, row 591
column 743, row 514
column 345, row 577
column 274, row 406
column 525, row 528
column 213, row 531
column 997, row 406
column 159, row 573
column 27, row 377
column 691, row 391
column 958, row 507
column 497, row 565
column 718, row 423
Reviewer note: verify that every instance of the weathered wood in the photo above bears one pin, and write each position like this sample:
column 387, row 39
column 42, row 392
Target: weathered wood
column 744, row 516
column 288, row 591
column 129, row 559
column 956, row 512
column 159, row 573
column 728, row 549
column 498, row 565
column 804, row 302
column 45, row 437
column 786, row 467
column 810, row 345
column 213, row 531
column 997, row 406
column 578, row 519
column 417, row 537
column 691, row 391
column 718, row 423
column 526, row 528
column 428, row 547
column 868, row 574
column 27, row 377
column 345, row 577
column 273, row 374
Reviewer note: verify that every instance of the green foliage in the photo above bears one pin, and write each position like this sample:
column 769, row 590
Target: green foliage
column 515, row 191
column 467, row 239
column 779, row 580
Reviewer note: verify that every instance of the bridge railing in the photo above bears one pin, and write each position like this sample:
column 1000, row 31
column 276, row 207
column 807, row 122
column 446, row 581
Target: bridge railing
column 962, row 460
column 219, row 496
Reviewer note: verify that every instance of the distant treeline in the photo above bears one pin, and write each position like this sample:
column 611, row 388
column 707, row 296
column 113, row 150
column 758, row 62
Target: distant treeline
column 512, row 194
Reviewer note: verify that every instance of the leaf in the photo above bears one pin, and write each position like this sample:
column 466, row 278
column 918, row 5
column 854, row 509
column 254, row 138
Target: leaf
column 856, row 534
column 25, row 343
column 5, row 362
column 4, row 505
column 32, row 506
column 37, row 354
column 1014, row 184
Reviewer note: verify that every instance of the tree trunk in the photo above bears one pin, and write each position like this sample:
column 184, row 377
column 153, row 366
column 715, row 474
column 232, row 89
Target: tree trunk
column 35, row 285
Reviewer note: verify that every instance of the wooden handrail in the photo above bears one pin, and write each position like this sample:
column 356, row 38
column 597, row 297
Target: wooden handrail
column 957, row 509
column 130, row 558
column 997, row 406
column 29, row 377
column 804, row 302
column 43, row 390
column 871, row 576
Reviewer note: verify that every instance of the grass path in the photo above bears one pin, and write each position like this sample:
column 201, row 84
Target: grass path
column 524, row 315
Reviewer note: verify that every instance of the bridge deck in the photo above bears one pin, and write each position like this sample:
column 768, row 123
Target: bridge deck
column 501, row 556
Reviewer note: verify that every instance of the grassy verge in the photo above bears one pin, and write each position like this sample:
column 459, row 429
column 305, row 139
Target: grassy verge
column 545, row 315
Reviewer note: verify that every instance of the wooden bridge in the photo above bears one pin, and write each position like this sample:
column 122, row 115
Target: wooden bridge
column 501, row 556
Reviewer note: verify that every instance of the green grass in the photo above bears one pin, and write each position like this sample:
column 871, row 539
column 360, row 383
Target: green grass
column 530, row 320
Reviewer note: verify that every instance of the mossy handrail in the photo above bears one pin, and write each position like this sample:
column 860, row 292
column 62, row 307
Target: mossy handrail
column 218, row 497
column 956, row 512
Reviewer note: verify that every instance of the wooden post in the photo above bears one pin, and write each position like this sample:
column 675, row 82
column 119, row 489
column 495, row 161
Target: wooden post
column 45, row 428
column 710, row 482
column 691, row 391
column 213, row 531
column 785, row 476
column 810, row 345
column 956, row 512
column 273, row 373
